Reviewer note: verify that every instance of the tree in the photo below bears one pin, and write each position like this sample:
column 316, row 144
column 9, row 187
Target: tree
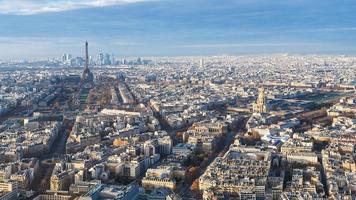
column 179, row 135
column 192, row 171
column 195, row 185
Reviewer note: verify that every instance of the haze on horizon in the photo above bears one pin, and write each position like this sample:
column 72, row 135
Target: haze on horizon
column 39, row 28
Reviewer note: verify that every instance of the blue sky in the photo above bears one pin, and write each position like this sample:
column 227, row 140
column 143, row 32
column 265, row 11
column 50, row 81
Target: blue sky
column 38, row 28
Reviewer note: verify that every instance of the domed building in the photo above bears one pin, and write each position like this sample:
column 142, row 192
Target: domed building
column 260, row 106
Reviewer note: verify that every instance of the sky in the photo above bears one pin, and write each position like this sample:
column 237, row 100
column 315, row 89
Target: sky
column 45, row 28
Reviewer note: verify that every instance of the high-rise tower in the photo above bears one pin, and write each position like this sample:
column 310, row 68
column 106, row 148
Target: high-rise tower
column 201, row 64
column 87, row 79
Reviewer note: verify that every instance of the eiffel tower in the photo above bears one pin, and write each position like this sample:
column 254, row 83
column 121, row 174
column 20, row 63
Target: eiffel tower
column 87, row 78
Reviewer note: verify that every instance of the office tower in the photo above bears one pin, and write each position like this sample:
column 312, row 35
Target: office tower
column 107, row 59
column 139, row 61
column 100, row 60
column 112, row 59
column 201, row 63
column 66, row 59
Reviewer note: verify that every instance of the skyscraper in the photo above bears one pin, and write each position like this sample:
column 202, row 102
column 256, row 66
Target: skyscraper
column 201, row 63
column 112, row 59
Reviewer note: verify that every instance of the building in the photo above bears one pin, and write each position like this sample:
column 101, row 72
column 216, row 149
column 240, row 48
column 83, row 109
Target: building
column 61, row 180
column 243, row 175
column 165, row 145
column 260, row 106
column 101, row 192
column 8, row 190
column 159, row 178
column 201, row 63
column 299, row 151
column 55, row 195
column 150, row 147
column 183, row 150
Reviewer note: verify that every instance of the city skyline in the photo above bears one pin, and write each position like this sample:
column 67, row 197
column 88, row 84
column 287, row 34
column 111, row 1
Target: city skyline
column 177, row 99
column 33, row 29
column 276, row 127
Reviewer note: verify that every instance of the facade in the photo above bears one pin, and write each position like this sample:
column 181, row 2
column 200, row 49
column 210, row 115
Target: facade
column 238, row 174
column 60, row 181
column 165, row 145
column 159, row 178
column 63, row 195
column 151, row 183
column 8, row 190
column 101, row 191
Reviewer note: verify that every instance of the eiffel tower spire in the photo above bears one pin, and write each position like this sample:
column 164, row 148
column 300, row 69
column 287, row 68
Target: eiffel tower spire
column 86, row 55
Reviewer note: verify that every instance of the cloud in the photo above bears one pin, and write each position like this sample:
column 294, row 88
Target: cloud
column 30, row 7
column 40, row 41
column 34, row 47
column 124, row 43
column 317, row 30
column 243, row 45
column 41, row 47
column 64, row 41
